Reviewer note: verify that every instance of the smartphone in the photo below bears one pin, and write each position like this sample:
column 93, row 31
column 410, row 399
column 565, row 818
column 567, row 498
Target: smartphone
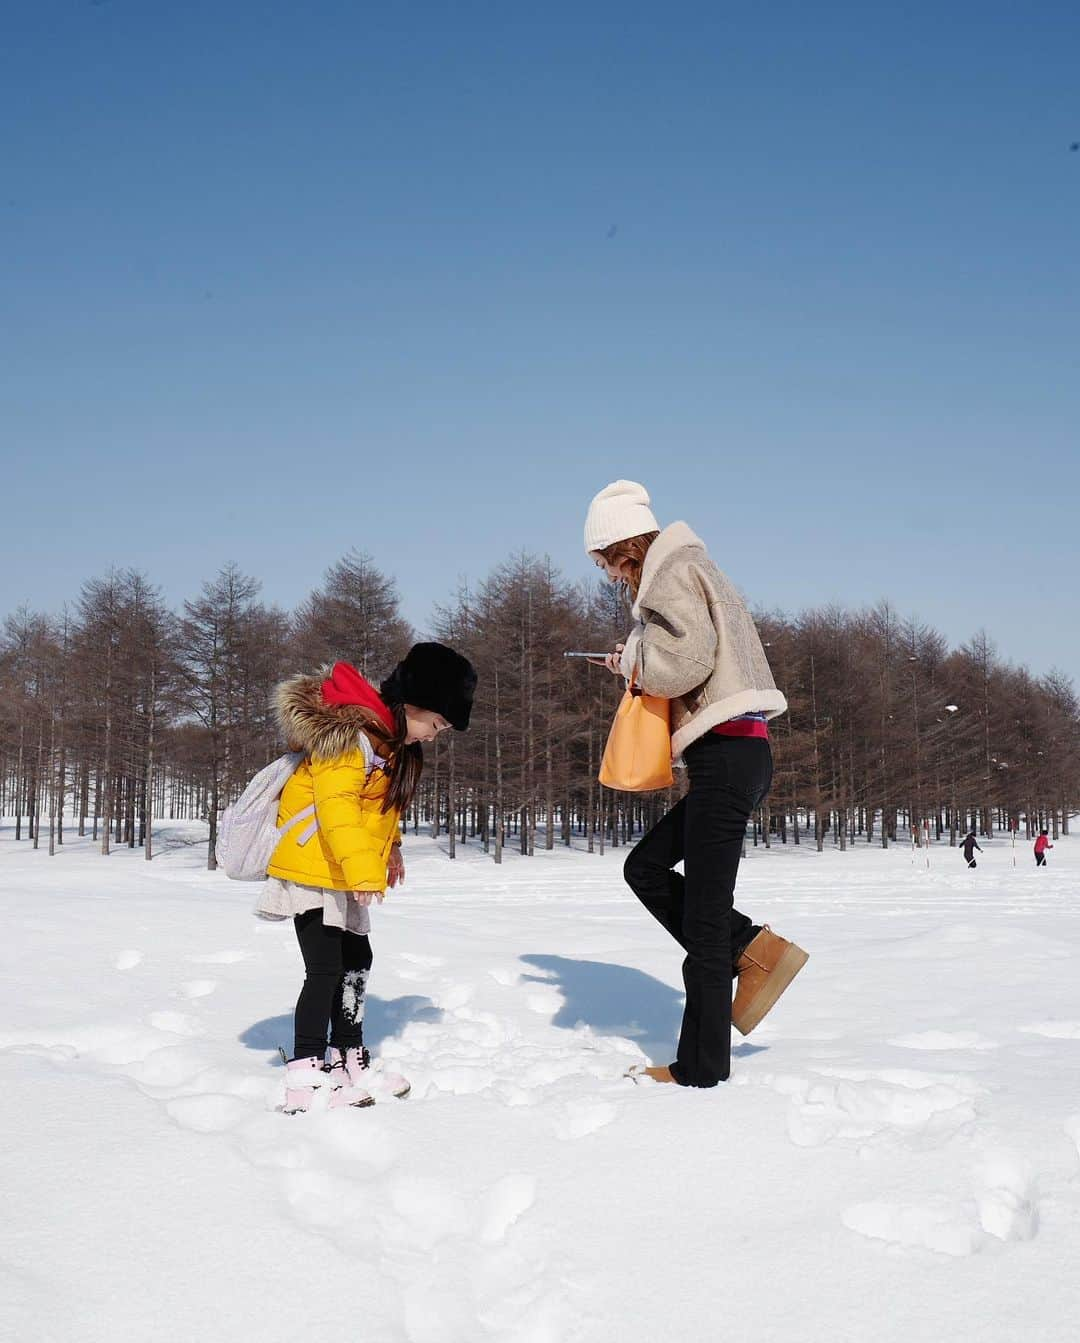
column 597, row 657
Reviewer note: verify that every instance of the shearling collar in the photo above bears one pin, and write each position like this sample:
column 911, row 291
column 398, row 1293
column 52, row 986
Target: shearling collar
column 311, row 725
column 678, row 536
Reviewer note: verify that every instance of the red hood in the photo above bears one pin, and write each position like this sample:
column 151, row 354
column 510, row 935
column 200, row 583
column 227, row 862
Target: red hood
column 345, row 685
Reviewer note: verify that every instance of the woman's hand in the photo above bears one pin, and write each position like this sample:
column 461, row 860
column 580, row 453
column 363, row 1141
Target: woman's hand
column 613, row 661
column 395, row 868
column 366, row 897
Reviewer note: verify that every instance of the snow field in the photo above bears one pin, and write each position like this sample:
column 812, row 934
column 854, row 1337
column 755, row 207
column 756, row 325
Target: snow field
column 897, row 1153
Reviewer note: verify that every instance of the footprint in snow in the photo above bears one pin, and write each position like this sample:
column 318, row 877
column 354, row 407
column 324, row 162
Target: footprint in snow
column 507, row 1201
column 175, row 1023
column 1054, row 1030
column 940, row 1228
column 508, row 977
column 417, row 968
column 427, row 1211
column 316, row 1197
column 1006, row 1204
column 579, row 1118
column 55, row 1053
column 171, row 1066
column 198, row 988
column 128, row 960
column 454, row 997
column 1007, row 1199
column 944, row 1040
column 544, row 1001
column 896, row 1105
column 209, row 1113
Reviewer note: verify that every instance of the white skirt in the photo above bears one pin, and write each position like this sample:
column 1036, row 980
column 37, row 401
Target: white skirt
column 285, row 899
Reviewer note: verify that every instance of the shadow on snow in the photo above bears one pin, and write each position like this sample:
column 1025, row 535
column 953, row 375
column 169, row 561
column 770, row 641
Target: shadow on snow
column 383, row 1019
column 617, row 1000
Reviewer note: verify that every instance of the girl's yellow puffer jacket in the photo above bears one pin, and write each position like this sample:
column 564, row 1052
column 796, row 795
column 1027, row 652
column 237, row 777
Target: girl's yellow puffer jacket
column 351, row 848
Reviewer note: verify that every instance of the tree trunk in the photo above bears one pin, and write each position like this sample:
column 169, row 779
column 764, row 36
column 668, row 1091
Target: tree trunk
column 106, row 763
column 451, row 801
column 148, row 795
column 499, row 810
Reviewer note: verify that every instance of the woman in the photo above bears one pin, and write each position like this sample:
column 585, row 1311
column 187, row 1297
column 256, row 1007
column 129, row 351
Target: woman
column 695, row 644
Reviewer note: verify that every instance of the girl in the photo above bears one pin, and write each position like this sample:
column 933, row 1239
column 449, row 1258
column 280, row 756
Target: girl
column 695, row 644
column 362, row 763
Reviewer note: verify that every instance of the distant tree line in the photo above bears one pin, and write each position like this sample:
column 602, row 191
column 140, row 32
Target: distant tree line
column 120, row 711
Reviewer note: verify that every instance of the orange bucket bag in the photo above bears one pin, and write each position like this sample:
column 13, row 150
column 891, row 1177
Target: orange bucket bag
column 637, row 758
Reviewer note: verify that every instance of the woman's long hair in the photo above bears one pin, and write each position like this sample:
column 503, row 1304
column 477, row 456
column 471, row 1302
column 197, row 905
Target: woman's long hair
column 405, row 763
column 633, row 550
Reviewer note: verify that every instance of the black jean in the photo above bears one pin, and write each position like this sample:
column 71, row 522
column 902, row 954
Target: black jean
column 336, row 966
column 729, row 776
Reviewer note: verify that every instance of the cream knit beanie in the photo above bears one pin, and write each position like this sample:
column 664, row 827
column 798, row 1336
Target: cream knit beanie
column 619, row 511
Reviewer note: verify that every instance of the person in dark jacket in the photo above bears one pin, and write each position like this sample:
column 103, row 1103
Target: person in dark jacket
column 1041, row 845
column 969, row 846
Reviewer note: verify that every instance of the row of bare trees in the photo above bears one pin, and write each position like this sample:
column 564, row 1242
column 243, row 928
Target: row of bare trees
column 120, row 711
column 890, row 731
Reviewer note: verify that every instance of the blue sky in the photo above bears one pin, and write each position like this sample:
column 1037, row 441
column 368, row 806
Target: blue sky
column 283, row 279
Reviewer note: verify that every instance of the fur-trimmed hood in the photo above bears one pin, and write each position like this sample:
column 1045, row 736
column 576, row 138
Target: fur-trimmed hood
column 319, row 729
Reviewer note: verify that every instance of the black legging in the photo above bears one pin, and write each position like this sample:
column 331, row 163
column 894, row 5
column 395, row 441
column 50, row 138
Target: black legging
column 336, row 967
column 729, row 776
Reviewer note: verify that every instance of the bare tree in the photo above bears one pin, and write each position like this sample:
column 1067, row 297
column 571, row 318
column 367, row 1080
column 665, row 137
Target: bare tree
column 354, row 617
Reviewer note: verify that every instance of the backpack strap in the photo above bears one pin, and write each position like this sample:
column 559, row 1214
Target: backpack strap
column 302, row 815
column 372, row 761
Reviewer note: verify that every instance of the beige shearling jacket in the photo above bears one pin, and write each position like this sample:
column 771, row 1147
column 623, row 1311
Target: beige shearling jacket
column 695, row 642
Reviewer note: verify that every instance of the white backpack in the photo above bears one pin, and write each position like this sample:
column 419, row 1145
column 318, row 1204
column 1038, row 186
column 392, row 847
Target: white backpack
column 248, row 832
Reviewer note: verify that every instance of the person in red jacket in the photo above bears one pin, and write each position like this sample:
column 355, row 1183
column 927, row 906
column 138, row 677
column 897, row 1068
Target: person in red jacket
column 1041, row 845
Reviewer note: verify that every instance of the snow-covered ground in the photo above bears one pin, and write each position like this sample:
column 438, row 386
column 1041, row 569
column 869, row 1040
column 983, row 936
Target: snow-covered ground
column 895, row 1157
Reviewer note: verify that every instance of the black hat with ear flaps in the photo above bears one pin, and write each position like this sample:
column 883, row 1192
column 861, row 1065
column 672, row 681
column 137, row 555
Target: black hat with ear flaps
column 434, row 677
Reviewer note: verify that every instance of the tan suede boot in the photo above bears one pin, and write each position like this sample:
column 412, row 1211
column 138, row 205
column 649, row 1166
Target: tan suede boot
column 653, row 1073
column 765, row 969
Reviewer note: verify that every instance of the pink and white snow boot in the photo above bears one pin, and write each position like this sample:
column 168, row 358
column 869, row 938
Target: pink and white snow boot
column 303, row 1079
column 375, row 1081
column 353, row 1088
column 383, row 1083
